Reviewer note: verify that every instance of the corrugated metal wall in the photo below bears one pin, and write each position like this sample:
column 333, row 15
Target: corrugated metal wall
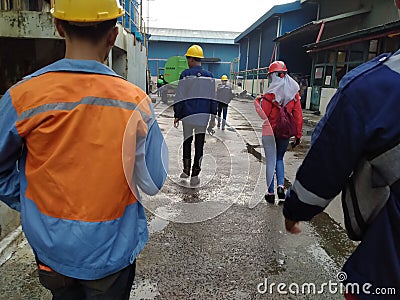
column 296, row 57
column 159, row 52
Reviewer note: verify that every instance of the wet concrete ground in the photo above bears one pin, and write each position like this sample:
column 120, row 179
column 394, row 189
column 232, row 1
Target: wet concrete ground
column 220, row 240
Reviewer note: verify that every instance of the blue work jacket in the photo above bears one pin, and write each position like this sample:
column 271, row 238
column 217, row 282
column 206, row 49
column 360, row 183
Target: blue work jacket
column 195, row 99
column 76, row 143
column 362, row 120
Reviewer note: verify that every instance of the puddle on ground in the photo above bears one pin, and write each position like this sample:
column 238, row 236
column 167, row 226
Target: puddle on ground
column 161, row 219
column 334, row 239
column 244, row 128
column 165, row 116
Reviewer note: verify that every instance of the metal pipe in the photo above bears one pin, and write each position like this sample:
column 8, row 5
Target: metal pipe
column 259, row 54
column 247, row 54
column 273, row 54
column 247, row 60
column 140, row 17
column 278, row 33
column 252, row 70
column 321, row 30
column 278, row 27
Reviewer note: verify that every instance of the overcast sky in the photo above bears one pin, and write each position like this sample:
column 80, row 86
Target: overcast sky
column 218, row 15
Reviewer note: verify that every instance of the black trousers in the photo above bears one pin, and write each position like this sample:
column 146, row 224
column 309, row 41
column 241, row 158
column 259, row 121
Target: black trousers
column 222, row 108
column 199, row 137
column 116, row 286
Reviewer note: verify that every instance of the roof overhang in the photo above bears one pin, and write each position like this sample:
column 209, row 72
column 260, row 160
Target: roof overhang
column 192, row 36
column 314, row 26
column 275, row 11
column 208, row 60
column 389, row 29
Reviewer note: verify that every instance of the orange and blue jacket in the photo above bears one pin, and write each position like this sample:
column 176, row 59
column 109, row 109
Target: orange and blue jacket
column 77, row 142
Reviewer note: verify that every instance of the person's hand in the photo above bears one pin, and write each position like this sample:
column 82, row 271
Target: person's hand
column 211, row 124
column 295, row 143
column 292, row 226
column 176, row 122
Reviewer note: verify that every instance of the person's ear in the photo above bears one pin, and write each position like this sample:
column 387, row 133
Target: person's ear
column 112, row 36
column 59, row 27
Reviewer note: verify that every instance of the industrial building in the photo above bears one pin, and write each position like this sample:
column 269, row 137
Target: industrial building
column 320, row 40
column 349, row 33
column 29, row 41
column 257, row 49
column 218, row 46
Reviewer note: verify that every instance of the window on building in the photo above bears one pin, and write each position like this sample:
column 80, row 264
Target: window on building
column 319, row 72
column 392, row 44
column 340, row 72
column 373, row 46
column 328, row 76
column 321, row 58
column 356, row 56
column 332, row 57
column 341, row 57
column 373, row 49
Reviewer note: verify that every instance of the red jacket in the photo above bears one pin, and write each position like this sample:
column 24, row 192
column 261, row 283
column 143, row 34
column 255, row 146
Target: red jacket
column 272, row 111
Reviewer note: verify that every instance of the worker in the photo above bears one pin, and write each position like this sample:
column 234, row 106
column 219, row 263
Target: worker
column 160, row 83
column 66, row 165
column 224, row 97
column 356, row 145
column 194, row 104
column 282, row 96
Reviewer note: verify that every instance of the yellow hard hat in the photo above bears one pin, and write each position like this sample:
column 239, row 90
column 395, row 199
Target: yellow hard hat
column 224, row 77
column 195, row 51
column 86, row 11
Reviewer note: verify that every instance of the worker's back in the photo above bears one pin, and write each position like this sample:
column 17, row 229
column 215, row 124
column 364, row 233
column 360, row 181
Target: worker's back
column 195, row 96
column 75, row 191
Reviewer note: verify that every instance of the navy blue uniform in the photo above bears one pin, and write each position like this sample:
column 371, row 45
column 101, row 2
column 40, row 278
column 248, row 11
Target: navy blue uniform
column 194, row 103
column 195, row 98
column 362, row 119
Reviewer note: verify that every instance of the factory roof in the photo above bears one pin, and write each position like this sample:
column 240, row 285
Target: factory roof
column 192, row 36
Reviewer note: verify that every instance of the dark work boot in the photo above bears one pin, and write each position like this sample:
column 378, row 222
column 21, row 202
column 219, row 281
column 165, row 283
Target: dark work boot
column 281, row 192
column 195, row 180
column 186, row 168
column 270, row 198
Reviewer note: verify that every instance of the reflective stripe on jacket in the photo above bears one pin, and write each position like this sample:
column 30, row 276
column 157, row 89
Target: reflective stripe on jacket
column 195, row 110
column 362, row 120
column 78, row 211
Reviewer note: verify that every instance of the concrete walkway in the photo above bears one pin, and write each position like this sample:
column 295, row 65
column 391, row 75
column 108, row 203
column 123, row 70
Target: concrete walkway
column 244, row 108
column 229, row 255
column 292, row 159
column 239, row 108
